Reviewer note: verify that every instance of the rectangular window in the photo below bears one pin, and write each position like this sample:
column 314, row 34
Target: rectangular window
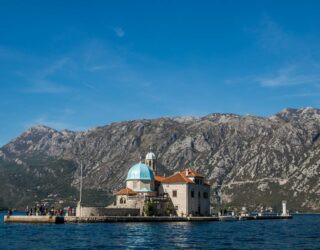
column 199, row 194
column 174, row 193
column 205, row 195
column 176, row 207
column 192, row 193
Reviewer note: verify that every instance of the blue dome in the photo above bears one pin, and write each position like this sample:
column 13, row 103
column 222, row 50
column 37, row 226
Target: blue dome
column 140, row 171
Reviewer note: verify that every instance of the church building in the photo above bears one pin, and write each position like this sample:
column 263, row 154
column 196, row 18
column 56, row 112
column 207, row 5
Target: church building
column 185, row 193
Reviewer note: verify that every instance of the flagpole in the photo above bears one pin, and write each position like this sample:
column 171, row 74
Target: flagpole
column 80, row 198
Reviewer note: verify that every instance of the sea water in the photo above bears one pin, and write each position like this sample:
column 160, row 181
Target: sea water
column 301, row 232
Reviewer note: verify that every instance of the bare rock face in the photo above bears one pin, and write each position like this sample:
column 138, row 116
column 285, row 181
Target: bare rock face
column 250, row 161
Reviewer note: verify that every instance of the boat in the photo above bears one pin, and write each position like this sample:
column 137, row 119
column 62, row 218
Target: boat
column 227, row 218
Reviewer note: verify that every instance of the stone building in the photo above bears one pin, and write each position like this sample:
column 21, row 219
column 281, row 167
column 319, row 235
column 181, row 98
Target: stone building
column 189, row 193
column 185, row 193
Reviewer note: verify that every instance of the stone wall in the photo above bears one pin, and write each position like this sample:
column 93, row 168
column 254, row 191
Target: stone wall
column 163, row 206
column 128, row 202
column 104, row 211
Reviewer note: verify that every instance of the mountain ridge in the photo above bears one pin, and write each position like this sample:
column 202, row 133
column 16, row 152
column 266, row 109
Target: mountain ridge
column 250, row 161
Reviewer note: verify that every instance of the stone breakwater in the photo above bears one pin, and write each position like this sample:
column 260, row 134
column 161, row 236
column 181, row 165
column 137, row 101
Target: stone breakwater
column 113, row 219
column 104, row 219
column 34, row 219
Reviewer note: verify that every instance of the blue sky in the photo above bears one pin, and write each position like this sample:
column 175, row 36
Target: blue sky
column 81, row 64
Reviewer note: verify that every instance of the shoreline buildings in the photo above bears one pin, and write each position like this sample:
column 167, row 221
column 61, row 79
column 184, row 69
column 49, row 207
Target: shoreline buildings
column 185, row 193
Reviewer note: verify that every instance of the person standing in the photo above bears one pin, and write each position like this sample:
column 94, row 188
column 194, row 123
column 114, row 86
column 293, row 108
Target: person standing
column 10, row 212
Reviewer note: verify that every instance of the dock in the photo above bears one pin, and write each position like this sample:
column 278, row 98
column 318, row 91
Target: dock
column 33, row 219
column 129, row 219
column 112, row 219
column 266, row 217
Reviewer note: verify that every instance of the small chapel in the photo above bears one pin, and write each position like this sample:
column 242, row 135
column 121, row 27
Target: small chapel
column 185, row 193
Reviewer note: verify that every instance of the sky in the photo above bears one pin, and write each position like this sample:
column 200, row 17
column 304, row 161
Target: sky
column 82, row 64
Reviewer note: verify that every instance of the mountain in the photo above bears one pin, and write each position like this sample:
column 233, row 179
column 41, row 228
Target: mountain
column 250, row 161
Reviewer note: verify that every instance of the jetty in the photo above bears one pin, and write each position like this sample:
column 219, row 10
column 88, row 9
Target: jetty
column 33, row 219
column 129, row 219
column 265, row 217
column 106, row 219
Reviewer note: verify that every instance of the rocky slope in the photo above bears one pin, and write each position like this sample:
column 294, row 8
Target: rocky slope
column 250, row 161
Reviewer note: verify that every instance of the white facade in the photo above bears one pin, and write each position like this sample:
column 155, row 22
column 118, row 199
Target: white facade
column 188, row 198
column 186, row 190
column 178, row 194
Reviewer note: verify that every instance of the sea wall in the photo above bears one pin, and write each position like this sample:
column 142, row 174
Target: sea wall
column 33, row 219
column 108, row 219
column 104, row 211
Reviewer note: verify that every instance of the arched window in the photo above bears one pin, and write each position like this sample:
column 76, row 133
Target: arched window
column 122, row 200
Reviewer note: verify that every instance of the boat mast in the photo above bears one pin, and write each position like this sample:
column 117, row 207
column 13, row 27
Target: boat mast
column 80, row 196
column 80, row 182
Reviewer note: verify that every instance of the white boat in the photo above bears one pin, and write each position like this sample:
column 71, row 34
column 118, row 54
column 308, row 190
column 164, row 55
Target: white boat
column 227, row 218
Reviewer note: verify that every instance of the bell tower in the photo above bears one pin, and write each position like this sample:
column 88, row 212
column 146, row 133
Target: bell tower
column 151, row 161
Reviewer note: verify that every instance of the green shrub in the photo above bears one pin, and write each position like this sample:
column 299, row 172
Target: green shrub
column 149, row 208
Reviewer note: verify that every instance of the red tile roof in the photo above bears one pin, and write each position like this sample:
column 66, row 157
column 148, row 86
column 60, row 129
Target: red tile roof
column 191, row 173
column 177, row 178
column 159, row 178
column 182, row 177
column 126, row 191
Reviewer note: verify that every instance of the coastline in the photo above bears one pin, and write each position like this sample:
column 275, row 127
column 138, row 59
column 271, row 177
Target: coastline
column 306, row 213
column 130, row 219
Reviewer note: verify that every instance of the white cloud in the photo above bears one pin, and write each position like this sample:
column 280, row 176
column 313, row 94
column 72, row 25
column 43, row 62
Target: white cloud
column 290, row 75
column 271, row 36
column 40, row 82
column 119, row 31
column 298, row 95
column 46, row 87
column 54, row 67
column 100, row 67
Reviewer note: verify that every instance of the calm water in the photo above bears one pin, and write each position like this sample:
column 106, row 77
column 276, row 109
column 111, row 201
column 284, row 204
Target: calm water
column 302, row 232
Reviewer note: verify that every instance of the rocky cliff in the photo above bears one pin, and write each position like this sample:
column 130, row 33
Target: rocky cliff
column 250, row 161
